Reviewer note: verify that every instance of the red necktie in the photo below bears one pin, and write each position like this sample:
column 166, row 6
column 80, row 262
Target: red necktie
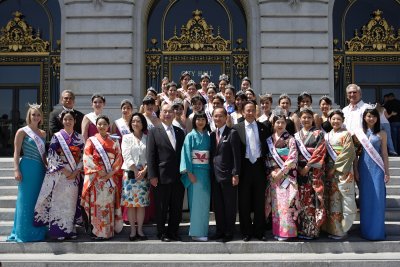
column 218, row 137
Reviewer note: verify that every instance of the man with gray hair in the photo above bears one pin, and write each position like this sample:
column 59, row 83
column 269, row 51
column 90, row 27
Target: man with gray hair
column 354, row 111
column 67, row 100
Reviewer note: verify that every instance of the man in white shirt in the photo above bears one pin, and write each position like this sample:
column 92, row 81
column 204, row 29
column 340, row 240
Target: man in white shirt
column 354, row 111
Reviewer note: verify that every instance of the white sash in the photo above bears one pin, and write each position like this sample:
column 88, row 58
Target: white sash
column 102, row 153
column 38, row 141
column 369, row 148
column 302, row 147
column 329, row 147
column 92, row 117
column 203, row 94
column 166, row 99
column 122, row 127
column 274, row 153
column 66, row 150
column 200, row 156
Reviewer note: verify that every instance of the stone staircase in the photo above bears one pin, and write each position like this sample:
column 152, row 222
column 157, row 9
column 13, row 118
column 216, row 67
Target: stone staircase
column 119, row 251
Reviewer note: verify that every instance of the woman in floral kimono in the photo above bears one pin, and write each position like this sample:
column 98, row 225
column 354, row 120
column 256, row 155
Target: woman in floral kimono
column 282, row 196
column 339, row 194
column 102, row 160
column 312, row 150
column 57, row 204
column 196, row 178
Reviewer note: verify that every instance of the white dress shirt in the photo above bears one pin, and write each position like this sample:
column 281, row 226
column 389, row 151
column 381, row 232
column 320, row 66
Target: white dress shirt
column 353, row 116
column 256, row 140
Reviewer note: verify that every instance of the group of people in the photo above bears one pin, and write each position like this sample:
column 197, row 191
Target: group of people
column 295, row 171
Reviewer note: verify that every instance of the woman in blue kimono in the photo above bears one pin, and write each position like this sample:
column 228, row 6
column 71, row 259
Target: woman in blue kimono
column 196, row 176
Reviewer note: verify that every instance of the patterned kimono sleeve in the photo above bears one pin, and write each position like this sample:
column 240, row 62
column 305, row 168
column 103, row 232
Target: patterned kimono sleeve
column 291, row 161
column 118, row 156
column 318, row 156
column 344, row 160
column 91, row 165
column 80, row 144
column 54, row 161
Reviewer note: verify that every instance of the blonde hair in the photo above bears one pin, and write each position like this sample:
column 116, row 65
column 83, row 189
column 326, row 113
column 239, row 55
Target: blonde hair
column 29, row 112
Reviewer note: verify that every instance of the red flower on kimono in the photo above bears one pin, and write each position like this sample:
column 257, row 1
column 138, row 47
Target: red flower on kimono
column 200, row 157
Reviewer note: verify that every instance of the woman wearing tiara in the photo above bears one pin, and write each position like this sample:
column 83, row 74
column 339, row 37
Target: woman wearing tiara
column 339, row 193
column 121, row 126
column 222, row 83
column 325, row 105
column 282, row 195
column 291, row 118
column 373, row 167
column 29, row 173
column 184, row 80
column 187, row 105
column 102, row 161
column 89, row 120
column 57, row 206
column 204, row 81
column 310, row 169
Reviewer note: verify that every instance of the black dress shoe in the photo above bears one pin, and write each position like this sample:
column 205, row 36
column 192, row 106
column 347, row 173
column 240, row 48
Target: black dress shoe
column 246, row 238
column 262, row 238
column 217, row 236
column 165, row 238
column 227, row 238
column 175, row 237
column 132, row 238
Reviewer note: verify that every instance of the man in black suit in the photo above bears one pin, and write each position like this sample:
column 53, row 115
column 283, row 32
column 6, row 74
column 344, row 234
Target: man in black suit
column 225, row 155
column 164, row 145
column 67, row 100
column 253, row 181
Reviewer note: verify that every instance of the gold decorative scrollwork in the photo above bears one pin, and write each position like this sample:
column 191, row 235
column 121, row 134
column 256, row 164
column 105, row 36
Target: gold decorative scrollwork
column 337, row 64
column 240, row 64
column 153, row 62
column 377, row 36
column 197, row 35
column 18, row 36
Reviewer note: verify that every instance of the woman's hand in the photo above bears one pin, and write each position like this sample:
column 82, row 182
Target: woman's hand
column 387, row 178
column 17, row 175
column 192, row 178
column 140, row 174
column 73, row 175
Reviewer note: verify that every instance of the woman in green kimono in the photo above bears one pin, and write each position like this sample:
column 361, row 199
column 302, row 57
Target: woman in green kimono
column 196, row 176
column 339, row 182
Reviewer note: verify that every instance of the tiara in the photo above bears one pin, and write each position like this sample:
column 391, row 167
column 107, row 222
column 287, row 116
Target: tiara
column 224, row 77
column 304, row 93
column 278, row 111
column 172, row 84
column 334, row 110
column 211, row 85
column 205, row 75
column 266, row 95
column 191, row 82
column 326, row 97
column 284, row 95
column 306, row 108
column 35, row 105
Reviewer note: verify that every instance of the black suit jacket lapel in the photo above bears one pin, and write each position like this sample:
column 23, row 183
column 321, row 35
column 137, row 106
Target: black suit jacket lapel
column 223, row 137
column 242, row 132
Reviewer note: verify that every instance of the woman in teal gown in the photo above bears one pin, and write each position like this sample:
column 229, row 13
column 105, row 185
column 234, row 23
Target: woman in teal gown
column 29, row 172
column 372, row 180
column 196, row 176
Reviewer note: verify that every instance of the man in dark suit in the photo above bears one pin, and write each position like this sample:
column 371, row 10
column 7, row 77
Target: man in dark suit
column 225, row 155
column 67, row 100
column 253, row 181
column 164, row 145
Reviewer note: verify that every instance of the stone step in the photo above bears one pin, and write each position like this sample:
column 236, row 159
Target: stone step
column 120, row 244
column 6, row 163
column 392, row 189
column 394, row 180
column 7, row 181
column 7, row 214
column 394, row 171
column 7, row 172
column 8, row 190
column 8, row 201
column 392, row 201
column 210, row 259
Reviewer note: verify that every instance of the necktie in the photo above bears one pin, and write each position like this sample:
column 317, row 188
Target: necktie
column 252, row 144
column 218, row 137
column 171, row 136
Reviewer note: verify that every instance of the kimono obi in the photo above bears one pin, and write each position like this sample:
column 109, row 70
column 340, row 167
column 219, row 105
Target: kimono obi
column 283, row 151
column 200, row 156
column 337, row 148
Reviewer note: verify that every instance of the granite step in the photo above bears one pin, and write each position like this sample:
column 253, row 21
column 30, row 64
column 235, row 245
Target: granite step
column 211, row 259
column 7, row 181
column 8, row 190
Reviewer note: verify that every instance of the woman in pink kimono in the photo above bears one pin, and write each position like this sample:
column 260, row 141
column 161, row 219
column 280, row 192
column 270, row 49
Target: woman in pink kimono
column 283, row 191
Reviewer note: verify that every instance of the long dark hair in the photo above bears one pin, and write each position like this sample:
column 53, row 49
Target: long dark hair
column 199, row 115
column 374, row 112
column 142, row 119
